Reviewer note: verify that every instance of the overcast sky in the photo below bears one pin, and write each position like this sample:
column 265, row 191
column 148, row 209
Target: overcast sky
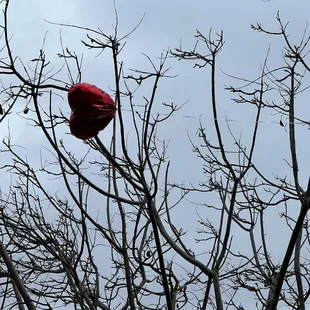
column 166, row 24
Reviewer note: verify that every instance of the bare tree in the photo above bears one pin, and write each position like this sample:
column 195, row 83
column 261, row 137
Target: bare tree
column 57, row 249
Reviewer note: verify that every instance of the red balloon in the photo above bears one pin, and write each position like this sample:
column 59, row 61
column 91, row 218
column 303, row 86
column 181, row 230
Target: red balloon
column 92, row 110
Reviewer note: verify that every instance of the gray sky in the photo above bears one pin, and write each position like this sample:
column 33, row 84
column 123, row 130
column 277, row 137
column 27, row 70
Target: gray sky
column 165, row 24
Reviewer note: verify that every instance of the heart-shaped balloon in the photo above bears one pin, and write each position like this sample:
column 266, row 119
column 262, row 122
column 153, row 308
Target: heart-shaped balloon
column 92, row 110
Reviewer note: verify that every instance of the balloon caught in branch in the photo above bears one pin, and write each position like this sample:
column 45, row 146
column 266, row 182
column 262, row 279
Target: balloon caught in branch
column 92, row 110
